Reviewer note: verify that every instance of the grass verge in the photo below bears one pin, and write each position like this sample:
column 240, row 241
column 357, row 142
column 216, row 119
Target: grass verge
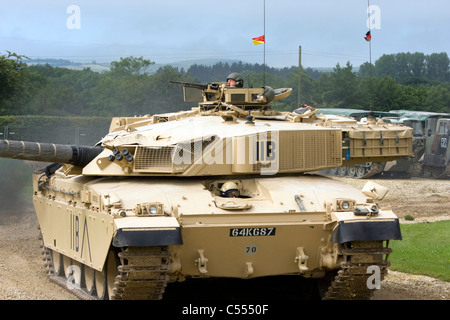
column 425, row 250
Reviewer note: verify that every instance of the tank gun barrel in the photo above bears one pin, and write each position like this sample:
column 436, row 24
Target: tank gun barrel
column 48, row 152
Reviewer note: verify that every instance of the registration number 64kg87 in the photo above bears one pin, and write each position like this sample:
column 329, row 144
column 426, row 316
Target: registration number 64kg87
column 252, row 232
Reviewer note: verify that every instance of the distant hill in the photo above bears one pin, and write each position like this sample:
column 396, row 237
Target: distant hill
column 103, row 67
column 53, row 62
column 186, row 64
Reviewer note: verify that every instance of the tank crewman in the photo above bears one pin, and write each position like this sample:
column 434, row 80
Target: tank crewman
column 234, row 79
column 229, row 190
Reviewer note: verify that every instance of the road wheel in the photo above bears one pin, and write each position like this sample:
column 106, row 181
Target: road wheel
column 360, row 171
column 426, row 173
column 57, row 262
column 351, row 171
column 67, row 262
column 111, row 271
column 100, row 284
column 341, row 171
column 89, row 279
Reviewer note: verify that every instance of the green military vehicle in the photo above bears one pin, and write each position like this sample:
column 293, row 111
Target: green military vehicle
column 434, row 160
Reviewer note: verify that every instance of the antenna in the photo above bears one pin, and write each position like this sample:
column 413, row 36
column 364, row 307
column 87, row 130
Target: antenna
column 370, row 39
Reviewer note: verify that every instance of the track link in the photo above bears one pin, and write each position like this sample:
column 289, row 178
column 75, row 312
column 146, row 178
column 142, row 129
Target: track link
column 142, row 274
column 375, row 168
column 351, row 280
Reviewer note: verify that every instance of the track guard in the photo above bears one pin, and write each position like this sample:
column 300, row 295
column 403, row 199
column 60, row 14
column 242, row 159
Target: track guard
column 366, row 231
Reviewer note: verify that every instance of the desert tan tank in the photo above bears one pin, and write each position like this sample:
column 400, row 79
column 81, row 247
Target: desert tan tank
column 220, row 191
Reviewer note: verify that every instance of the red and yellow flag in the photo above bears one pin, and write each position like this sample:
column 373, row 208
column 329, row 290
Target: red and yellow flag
column 258, row 40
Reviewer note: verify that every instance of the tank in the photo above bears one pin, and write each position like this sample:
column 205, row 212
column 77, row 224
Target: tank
column 222, row 191
column 404, row 167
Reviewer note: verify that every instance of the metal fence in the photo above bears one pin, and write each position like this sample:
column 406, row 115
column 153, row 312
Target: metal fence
column 56, row 134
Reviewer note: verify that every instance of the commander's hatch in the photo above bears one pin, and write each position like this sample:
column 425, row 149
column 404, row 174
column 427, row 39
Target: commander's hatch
column 234, row 96
column 240, row 96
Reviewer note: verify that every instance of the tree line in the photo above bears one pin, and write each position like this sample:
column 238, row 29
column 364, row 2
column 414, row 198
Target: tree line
column 396, row 81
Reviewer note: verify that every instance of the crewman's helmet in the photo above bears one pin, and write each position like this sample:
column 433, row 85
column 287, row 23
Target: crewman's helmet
column 230, row 190
column 238, row 78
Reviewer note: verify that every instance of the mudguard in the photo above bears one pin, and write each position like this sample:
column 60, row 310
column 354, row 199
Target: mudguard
column 364, row 230
column 147, row 231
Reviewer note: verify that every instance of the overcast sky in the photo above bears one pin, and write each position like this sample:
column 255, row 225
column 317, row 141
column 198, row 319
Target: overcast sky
column 329, row 31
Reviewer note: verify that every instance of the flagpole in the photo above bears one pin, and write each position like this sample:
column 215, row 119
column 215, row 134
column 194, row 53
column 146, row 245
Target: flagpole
column 370, row 58
column 370, row 42
column 264, row 67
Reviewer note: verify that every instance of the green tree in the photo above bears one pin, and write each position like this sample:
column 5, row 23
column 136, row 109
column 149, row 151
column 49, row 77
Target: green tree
column 386, row 66
column 164, row 96
column 308, row 90
column 438, row 98
column 61, row 91
column 417, row 64
column 14, row 78
column 386, row 94
column 130, row 66
column 414, row 98
column 324, row 92
column 343, row 85
column 437, row 67
column 366, row 70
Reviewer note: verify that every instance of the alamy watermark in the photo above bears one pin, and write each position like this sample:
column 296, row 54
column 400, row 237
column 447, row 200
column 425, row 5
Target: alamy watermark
column 240, row 151
column 374, row 280
column 74, row 279
column 374, row 17
column 74, row 20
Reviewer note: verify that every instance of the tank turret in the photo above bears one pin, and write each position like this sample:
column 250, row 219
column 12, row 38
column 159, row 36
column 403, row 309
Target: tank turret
column 221, row 137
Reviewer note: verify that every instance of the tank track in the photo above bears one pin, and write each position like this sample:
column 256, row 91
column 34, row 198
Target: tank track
column 351, row 280
column 61, row 280
column 430, row 174
column 446, row 172
column 375, row 168
column 142, row 274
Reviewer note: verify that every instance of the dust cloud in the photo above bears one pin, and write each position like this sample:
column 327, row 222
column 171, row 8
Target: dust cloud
column 16, row 187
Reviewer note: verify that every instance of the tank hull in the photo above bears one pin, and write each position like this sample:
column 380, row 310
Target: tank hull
column 197, row 233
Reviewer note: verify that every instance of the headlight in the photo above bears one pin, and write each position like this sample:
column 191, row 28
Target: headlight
column 153, row 210
column 149, row 209
column 344, row 204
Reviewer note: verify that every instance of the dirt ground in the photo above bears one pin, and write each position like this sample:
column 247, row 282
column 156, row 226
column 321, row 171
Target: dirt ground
column 22, row 274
